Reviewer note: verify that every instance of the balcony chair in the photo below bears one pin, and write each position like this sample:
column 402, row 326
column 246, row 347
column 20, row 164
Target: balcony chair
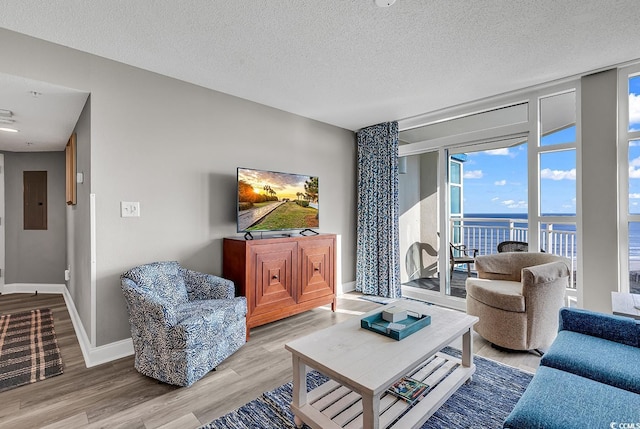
column 459, row 254
column 513, row 246
column 183, row 323
column 517, row 297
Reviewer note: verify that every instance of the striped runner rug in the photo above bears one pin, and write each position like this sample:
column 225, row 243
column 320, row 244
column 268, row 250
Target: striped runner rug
column 28, row 348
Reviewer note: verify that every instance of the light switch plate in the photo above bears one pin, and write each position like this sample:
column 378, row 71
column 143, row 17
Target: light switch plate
column 129, row 209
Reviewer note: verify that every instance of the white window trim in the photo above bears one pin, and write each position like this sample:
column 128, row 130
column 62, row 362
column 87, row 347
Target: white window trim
column 624, row 137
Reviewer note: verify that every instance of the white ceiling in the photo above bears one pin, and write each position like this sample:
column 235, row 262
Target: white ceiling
column 347, row 63
column 45, row 115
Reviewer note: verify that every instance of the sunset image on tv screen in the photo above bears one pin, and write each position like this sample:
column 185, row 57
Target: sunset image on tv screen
column 273, row 201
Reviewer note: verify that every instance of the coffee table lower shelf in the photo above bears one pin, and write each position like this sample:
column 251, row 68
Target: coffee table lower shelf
column 332, row 406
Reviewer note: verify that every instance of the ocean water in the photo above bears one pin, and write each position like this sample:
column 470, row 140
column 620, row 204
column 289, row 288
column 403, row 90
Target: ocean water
column 487, row 241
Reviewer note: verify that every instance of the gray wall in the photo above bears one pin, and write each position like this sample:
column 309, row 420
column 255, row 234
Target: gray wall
column 174, row 147
column 35, row 256
column 598, row 190
column 78, row 223
column 429, row 213
column 411, row 265
column 419, row 217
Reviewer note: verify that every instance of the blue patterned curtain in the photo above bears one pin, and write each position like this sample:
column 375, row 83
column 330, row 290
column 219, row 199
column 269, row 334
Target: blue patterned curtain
column 378, row 251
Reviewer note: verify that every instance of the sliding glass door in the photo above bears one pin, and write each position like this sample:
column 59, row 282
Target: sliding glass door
column 483, row 203
column 488, row 196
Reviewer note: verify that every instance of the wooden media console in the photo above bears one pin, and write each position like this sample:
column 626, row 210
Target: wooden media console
column 281, row 276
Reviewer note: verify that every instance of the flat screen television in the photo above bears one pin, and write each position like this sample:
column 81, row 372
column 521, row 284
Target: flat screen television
column 275, row 201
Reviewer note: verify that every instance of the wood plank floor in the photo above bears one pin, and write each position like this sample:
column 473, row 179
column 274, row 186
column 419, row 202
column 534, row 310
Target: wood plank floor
column 115, row 395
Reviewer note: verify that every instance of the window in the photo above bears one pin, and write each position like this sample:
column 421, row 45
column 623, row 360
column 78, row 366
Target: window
column 558, row 183
column 509, row 174
column 634, row 177
column 557, row 177
column 455, row 186
column 632, row 138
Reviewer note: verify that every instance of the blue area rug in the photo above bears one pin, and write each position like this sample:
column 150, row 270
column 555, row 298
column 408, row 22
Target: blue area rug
column 482, row 404
column 385, row 301
column 379, row 299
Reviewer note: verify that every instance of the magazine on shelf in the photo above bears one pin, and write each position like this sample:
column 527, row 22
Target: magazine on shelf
column 409, row 389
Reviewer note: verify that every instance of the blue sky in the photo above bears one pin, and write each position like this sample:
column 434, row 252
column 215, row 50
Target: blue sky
column 496, row 181
column 634, row 146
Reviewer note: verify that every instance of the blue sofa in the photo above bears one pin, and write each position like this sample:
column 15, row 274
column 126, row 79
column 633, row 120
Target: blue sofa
column 183, row 322
column 589, row 377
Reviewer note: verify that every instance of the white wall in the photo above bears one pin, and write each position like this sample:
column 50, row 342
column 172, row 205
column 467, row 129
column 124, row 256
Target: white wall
column 174, row 147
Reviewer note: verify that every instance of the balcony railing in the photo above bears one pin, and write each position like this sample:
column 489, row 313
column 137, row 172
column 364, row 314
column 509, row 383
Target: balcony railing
column 484, row 234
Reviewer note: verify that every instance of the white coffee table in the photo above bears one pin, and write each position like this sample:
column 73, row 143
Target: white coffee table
column 362, row 365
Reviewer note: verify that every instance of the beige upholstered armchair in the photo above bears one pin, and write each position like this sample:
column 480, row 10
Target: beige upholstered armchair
column 517, row 297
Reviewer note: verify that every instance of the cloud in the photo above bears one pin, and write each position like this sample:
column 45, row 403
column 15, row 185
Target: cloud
column 547, row 173
column 634, row 172
column 634, row 196
column 473, row 174
column 495, row 198
column 500, row 152
column 634, row 108
column 512, row 204
column 500, row 183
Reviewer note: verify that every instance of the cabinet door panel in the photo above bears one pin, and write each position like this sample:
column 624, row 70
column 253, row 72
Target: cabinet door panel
column 316, row 269
column 274, row 276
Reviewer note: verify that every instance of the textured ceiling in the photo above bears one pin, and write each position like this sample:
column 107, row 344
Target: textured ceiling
column 347, row 63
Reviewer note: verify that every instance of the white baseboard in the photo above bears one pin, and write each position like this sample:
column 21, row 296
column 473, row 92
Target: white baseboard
column 93, row 355
column 33, row 288
column 346, row 287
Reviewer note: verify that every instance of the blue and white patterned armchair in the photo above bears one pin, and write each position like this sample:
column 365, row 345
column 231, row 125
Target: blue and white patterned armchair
column 183, row 323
